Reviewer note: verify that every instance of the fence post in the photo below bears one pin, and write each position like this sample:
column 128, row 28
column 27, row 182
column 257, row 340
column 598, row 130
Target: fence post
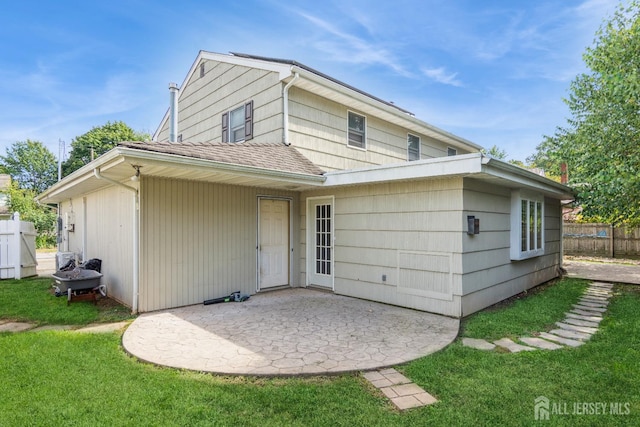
column 612, row 230
column 17, row 247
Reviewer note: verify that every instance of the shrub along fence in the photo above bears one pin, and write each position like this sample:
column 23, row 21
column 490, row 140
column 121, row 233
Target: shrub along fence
column 602, row 240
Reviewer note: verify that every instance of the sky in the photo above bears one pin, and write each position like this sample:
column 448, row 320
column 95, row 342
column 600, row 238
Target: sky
column 493, row 71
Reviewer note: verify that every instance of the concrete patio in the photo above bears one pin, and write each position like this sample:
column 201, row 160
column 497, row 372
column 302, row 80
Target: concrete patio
column 287, row 332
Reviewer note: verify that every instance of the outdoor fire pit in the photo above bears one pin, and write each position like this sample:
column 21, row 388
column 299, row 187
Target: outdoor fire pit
column 79, row 284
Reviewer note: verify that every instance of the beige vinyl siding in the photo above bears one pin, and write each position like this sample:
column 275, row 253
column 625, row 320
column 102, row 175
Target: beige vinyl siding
column 489, row 274
column 318, row 128
column 109, row 228
column 381, row 229
column 203, row 100
column 199, row 241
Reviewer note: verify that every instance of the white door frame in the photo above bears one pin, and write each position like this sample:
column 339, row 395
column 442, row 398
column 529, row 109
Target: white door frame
column 290, row 200
column 310, row 237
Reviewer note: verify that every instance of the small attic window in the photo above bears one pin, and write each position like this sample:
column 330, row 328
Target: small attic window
column 202, row 69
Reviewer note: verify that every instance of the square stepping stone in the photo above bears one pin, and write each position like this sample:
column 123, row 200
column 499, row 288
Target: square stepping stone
column 570, row 334
column 407, row 396
column 561, row 340
column 540, row 343
column 477, row 344
column 512, row 346
column 574, row 328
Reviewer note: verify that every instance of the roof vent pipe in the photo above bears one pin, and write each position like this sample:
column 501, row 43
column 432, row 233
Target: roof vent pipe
column 173, row 112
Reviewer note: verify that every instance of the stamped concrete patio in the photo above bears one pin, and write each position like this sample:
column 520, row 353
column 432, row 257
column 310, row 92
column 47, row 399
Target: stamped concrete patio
column 288, row 332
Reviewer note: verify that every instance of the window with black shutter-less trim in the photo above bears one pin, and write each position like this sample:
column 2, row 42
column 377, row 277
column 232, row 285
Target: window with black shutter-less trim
column 356, row 136
column 413, row 147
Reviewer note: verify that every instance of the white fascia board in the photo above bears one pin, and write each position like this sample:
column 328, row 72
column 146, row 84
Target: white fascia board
column 142, row 157
column 283, row 70
column 467, row 164
column 410, row 122
column 525, row 179
column 104, row 162
column 119, row 155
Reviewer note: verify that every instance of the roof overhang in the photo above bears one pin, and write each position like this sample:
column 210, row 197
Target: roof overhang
column 118, row 165
column 477, row 166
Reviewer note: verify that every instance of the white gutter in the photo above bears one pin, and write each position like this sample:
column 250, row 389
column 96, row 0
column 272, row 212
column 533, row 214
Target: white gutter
column 285, row 97
column 136, row 235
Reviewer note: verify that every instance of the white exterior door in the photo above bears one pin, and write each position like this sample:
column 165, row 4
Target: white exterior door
column 274, row 248
column 320, row 242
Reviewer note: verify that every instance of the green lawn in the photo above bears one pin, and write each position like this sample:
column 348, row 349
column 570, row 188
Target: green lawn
column 32, row 300
column 527, row 313
column 43, row 383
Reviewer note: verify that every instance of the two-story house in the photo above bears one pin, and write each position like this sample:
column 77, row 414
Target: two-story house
column 265, row 173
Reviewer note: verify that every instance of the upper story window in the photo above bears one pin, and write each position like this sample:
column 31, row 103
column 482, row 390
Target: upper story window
column 357, row 131
column 237, row 124
column 452, row 151
column 413, row 147
column 527, row 225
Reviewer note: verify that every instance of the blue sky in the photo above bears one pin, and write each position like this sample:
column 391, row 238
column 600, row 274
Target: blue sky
column 491, row 71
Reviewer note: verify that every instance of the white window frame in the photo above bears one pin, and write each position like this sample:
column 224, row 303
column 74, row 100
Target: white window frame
column 364, row 133
column 452, row 151
column 409, row 135
column 531, row 223
column 239, row 111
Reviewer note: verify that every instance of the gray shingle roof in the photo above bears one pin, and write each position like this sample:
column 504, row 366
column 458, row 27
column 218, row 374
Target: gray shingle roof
column 261, row 155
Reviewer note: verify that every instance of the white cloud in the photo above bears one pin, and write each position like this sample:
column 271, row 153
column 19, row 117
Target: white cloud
column 441, row 75
column 349, row 48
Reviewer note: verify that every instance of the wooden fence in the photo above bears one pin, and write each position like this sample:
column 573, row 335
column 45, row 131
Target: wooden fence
column 601, row 240
column 17, row 249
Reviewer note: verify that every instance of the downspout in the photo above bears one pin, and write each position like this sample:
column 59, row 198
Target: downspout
column 136, row 235
column 285, row 119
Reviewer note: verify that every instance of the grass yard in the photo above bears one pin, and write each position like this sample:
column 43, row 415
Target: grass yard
column 32, row 300
column 43, row 382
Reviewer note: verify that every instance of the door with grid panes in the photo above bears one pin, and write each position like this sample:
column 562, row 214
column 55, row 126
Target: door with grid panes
column 320, row 243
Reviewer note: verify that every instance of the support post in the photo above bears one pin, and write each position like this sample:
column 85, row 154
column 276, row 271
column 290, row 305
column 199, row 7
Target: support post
column 17, row 247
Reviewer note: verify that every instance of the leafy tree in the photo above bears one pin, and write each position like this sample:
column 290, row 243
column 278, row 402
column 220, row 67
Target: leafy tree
column 44, row 218
column 601, row 141
column 495, row 152
column 98, row 141
column 31, row 164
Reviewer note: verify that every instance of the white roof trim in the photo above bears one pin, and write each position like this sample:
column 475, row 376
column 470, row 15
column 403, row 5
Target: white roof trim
column 468, row 165
column 119, row 155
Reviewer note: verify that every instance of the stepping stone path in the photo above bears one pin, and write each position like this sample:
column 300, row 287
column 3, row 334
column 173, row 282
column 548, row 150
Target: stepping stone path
column 577, row 327
column 399, row 389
